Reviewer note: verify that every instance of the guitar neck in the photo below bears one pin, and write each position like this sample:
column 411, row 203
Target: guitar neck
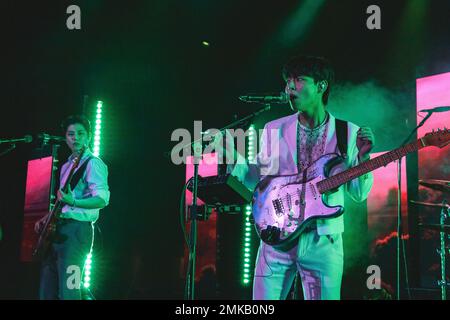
column 368, row 166
column 58, row 204
column 57, row 207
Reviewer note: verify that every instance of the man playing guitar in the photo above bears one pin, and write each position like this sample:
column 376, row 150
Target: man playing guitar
column 63, row 265
column 303, row 138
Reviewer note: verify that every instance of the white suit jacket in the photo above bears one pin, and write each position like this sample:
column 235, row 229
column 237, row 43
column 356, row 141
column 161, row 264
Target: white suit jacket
column 280, row 158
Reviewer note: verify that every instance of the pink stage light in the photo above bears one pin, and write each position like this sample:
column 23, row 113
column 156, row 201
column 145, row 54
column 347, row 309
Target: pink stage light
column 37, row 200
column 382, row 200
column 433, row 91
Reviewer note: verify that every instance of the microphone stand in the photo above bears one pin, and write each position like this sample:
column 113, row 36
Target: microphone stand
column 399, row 203
column 442, row 252
column 11, row 147
column 190, row 279
column 12, row 143
column 189, row 293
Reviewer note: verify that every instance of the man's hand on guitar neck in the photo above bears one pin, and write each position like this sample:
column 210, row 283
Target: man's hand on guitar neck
column 365, row 141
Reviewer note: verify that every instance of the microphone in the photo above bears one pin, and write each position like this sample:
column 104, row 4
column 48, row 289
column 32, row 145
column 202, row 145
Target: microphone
column 282, row 97
column 437, row 109
column 26, row 139
column 47, row 137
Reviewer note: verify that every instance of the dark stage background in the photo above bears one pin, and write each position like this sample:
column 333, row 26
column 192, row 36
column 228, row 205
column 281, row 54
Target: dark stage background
column 145, row 60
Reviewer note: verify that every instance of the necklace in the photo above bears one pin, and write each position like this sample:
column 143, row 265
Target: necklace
column 310, row 143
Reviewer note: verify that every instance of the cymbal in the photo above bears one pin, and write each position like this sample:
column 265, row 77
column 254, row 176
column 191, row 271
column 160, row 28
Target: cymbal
column 435, row 226
column 429, row 204
column 441, row 185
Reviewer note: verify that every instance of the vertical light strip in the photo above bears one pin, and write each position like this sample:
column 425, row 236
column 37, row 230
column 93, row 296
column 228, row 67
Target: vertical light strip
column 96, row 151
column 98, row 128
column 247, row 251
column 87, row 271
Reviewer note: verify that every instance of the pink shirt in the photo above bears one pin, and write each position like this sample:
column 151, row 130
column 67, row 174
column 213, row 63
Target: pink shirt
column 93, row 183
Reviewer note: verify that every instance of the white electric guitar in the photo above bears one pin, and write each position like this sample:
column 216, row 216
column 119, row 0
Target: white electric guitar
column 283, row 206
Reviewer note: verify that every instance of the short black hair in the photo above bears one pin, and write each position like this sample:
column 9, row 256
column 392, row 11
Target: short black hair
column 315, row 67
column 76, row 119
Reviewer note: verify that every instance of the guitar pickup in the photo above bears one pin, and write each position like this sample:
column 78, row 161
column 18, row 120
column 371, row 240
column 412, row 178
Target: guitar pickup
column 278, row 206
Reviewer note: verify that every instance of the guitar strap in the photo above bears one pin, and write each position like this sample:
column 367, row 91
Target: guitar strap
column 342, row 136
column 79, row 173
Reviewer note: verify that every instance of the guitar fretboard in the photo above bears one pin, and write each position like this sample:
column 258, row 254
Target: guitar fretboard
column 368, row 166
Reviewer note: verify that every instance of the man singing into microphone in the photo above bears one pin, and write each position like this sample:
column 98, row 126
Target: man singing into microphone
column 304, row 137
column 62, row 268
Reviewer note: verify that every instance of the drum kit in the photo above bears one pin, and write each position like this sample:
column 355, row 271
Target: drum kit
column 442, row 227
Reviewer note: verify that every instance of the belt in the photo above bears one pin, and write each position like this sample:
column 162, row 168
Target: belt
column 70, row 220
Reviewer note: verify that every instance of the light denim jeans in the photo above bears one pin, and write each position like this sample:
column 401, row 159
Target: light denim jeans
column 318, row 259
column 67, row 257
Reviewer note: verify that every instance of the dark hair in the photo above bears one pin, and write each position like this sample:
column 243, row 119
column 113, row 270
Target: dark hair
column 317, row 68
column 76, row 119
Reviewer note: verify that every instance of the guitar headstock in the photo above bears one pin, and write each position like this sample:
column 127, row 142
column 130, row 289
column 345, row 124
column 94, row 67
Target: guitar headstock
column 439, row 138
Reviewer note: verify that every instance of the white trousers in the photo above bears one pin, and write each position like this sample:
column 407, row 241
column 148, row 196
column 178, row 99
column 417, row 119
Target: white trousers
column 318, row 259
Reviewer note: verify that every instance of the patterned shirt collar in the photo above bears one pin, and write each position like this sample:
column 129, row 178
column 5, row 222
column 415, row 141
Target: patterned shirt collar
column 320, row 126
